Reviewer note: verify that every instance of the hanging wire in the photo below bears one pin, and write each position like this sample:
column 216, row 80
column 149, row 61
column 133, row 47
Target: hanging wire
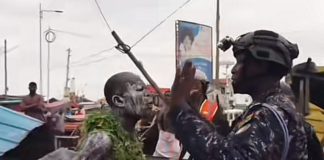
column 88, row 63
column 79, row 64
column 8, row 50
column 93, row 55
column 108, row 26
column 106, row 50
column 138, row 41
column 72, row 33
column 92, row 61
column 185, row 3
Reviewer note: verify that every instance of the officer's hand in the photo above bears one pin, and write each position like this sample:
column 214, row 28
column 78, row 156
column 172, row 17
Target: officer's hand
column 180, row 91
column 182, row 84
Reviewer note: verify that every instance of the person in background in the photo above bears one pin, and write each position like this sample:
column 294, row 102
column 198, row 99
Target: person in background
column 33, row 104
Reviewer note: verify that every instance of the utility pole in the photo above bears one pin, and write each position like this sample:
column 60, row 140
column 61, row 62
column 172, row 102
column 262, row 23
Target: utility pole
column 41, row 11
column 50, row 38
column 40, row 51
column 217, row 40
column 67, row 69
column 5, row 66
column 48, row 70
column 66, row 88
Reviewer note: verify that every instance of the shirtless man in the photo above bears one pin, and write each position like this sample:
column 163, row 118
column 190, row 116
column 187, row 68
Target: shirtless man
column 33, row 104
column 128, row 100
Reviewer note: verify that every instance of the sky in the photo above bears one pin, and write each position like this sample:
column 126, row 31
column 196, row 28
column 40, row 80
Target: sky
column 81, row 28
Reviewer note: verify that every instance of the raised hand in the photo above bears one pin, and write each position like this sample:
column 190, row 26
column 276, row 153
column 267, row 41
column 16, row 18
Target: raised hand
column 182, row 84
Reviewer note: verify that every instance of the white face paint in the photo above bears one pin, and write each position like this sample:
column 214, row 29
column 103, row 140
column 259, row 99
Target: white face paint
column 136, row 100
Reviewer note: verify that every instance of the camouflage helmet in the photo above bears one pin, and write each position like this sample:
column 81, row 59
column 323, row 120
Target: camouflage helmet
column 267, row 46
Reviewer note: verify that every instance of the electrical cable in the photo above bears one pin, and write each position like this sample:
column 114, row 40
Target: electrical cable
column 92, row 55
column 159, row 24
column 107, row 24
column 88, row 63
column 129, row 47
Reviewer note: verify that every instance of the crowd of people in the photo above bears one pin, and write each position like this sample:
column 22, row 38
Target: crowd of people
column 190, row 126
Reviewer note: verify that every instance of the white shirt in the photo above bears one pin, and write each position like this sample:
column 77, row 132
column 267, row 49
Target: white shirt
column 168, row 146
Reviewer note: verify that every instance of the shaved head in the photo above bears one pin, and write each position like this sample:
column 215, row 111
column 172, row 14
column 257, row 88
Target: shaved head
column 117, row 84
column 126, row 92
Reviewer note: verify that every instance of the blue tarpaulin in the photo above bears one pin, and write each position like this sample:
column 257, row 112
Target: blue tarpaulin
column 14, row 127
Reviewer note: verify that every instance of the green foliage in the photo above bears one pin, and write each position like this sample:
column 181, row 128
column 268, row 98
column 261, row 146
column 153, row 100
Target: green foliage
column 125, row 145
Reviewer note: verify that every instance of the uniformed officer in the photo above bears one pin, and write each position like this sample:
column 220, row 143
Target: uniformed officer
column 269, row 129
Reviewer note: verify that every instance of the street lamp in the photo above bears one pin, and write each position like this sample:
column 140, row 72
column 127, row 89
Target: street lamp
column 40, row 44
column 50, row 38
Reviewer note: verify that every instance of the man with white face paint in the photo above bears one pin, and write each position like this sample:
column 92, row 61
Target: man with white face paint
column 126, row 95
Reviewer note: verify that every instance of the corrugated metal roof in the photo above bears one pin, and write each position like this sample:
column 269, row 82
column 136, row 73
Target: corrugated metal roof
column 14, row 127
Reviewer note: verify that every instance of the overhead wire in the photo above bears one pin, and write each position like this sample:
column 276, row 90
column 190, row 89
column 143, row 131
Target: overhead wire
column 87, row 63
column 8, row 50
column 107, row 24
column 137, row 42
column 71, row 33
column 159, row 24
column 93, row 55
column 103, row 51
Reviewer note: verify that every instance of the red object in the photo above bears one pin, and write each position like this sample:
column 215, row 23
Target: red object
column 151, row 90
column 75, row 105
column 209, row 110
column 72, row 126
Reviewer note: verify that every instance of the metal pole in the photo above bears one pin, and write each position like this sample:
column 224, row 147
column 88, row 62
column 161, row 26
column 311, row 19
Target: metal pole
column 40, row 50
column 217, row 40
column 5, row 63
column 40, row 45
column 48, row 72
column 50, row 37
column 67, row 68
column 126, row 49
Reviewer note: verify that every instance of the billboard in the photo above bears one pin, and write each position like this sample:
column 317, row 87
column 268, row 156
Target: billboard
column 194, row 43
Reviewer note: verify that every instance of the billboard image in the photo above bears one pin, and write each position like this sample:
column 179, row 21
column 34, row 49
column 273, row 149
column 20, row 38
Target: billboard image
column 194, row 43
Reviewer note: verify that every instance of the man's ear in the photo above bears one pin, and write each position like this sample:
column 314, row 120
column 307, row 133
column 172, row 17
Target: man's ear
column 118, row 101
